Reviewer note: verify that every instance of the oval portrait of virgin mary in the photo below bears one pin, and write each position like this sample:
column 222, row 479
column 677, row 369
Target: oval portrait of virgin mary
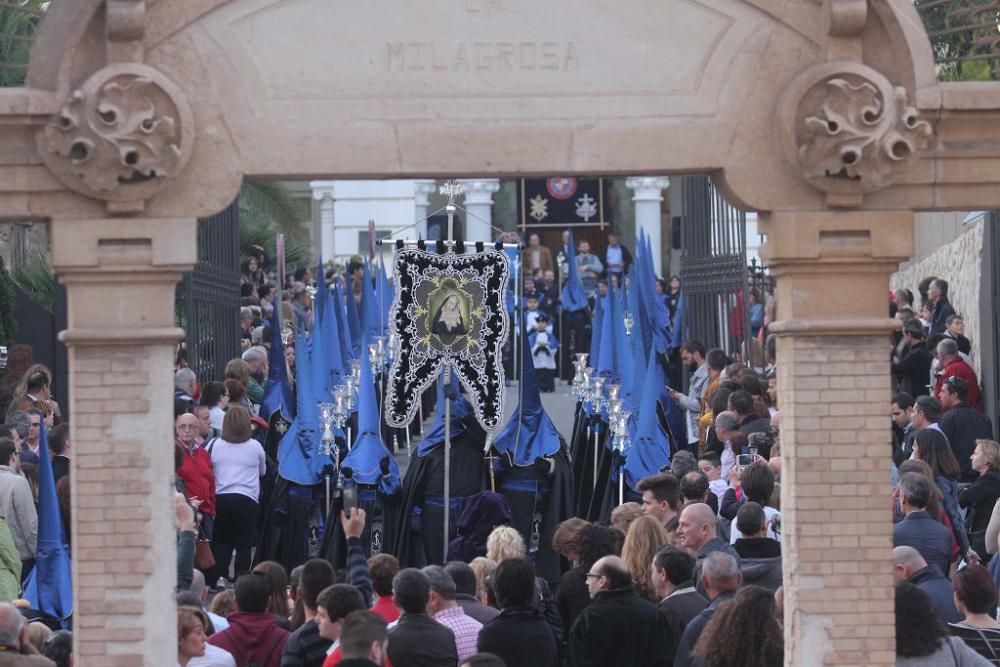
column 448, row 319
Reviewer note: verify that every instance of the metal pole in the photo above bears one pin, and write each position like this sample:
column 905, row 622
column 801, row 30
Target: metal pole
column 348, row 438
column 447, row 418
column 327, row 479
column 597, row 429
column 562, row 334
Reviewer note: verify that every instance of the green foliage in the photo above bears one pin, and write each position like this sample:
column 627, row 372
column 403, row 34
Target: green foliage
column 268, row 209
column 962, row 35
column 8, row 325
column 36, row 278
column 17, row 32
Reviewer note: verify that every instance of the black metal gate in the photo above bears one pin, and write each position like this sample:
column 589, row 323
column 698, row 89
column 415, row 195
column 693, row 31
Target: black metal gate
column 208, row 304
column 989, row 311
column 713, row 268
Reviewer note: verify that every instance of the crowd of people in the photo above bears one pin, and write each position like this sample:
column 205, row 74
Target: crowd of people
column 682, row 567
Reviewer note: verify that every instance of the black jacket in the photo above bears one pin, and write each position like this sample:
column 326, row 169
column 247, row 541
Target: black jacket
column 760, row 561
column 942, row 311
column 914, row 370
column 519, row 636
column 932, row 582
column 680, row 608
column 620, row 628
column 694, row 629
column 980, row 497
column 929, row 537
column 572, row 597
column 420, row 641
column 476, row 609
column 962, row 426
column 712, row 545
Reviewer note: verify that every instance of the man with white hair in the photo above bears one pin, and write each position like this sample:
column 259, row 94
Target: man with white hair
column 15, row 648
column 720, row 577
column 908, row 565
column 185, row 386
column 256, row 358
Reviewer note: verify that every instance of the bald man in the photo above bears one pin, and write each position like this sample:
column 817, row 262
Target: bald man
column 618, row 627
column 696, row 532
column 16, row 648
column 908, row 565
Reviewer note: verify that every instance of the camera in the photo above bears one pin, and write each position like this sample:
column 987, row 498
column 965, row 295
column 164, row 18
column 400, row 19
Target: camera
column 745, row 459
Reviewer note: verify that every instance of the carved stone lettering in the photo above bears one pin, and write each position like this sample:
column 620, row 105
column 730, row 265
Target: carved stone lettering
column 401, row 57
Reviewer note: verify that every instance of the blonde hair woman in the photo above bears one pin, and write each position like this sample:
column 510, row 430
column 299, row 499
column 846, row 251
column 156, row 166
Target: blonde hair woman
column 980, row 496
column 504, row 543
column 645, row 537
column 484, row 569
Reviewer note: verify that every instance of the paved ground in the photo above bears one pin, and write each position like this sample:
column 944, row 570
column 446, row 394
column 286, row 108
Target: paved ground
column 559, row 405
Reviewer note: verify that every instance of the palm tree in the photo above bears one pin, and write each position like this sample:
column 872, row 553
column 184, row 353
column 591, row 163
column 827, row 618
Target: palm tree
column 19, row 21
column 268, row 209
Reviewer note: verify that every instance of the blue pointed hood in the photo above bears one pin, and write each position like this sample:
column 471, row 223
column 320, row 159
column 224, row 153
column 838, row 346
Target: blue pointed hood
column 334, row 374
column 529, row 433
column 650, row 449
column 319, row 365
column 655, row 304
column 49, row 587
column 676, row 420
column 460, row 410
column 371, row 321
column 277, row 391
column 368, row 447
column 320, row 290
column 298, row 450
column 573, row 298
column 607, row 356
column 343, row 335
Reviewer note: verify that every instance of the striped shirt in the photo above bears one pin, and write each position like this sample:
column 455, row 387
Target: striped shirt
column 465, row 627
column 984, row 641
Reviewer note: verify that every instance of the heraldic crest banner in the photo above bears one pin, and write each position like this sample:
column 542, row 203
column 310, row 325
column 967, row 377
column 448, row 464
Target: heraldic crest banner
column 449, row 310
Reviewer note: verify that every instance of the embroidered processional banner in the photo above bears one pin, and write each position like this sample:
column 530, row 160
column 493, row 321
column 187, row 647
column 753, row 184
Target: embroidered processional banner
column 450, row 310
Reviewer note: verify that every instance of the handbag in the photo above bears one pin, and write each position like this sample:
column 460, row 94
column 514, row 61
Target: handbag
column 203, row 557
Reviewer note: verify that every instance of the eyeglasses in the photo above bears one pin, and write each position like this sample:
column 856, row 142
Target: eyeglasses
column 595, row 576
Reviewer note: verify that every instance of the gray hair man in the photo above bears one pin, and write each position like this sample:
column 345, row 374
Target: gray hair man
column 720, row 577
column 443, row 608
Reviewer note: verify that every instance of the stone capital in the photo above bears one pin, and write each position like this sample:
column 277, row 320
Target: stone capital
column 480, row 190
column 833, row 268
column 134, row 264
column 647, row 188
column 322, row 190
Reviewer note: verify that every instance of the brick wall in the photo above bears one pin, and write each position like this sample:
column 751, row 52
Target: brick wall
column 835, row 500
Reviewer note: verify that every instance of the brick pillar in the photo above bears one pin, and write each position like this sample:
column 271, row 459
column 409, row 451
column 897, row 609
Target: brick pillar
column 833, row 329
column 120, row 277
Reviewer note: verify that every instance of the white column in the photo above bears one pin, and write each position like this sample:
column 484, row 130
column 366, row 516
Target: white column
column 479, row 207
column 422, row 190
column 648, row 196
column 322, row 191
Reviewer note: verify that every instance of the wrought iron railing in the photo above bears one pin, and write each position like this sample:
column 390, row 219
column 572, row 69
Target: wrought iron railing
column 965, row 37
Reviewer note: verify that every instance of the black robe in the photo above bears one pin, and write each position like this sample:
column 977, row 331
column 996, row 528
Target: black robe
column 419, row 537
column 539, row 502
column 381, row 519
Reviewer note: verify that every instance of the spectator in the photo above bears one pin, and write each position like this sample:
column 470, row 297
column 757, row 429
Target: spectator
column 696, row 532
column 278, row 581
column 720, row 578
column 200, row 592
column 306, row 647
column 913, row 366
column 59, row 648
column 623, row 516
column 975, row 596
column 922, row 639
column 909, row 566
column 17, row 506
column 589, row 267
column 673, row 570
column 744, row 633
column 951, row 365
column 417, row 639
column 239, row 463
column 186, row 386
column 383, row 569
column 937, row 295
column 484, row 660
column 465, row 592
column 980, row 497
column 918, row 529
column 661, row 498
column 196, row 472
column 693, row 357
column 537, row 256
column 215, row 397
column 483, row 568
column 755, row 483
column 19, row 359
column 710, row 463
column 29, row 446
column 256, row 358
column 694, row 489
column 955, row 329
column 333, row 605
column 520, row 635
column 213, row 655
column 931, row 447
column 760, row 555
column 363, row 640
column 503, row 543
column 902, row 427
column 644, row 539
column 727, row 433
column 190, row 636
column 617, row 257
column 59, row 448
column 618, row 627
column 742, row 403
column 962, row 425
column 444, row 609
column 573, row 595
column 254, row 635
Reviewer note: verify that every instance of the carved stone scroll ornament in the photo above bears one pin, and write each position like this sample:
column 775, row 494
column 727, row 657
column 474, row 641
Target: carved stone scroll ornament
column 122, row 136
column 852, row 131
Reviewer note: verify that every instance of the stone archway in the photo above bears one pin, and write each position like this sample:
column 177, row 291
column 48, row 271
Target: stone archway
column 824, row 115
